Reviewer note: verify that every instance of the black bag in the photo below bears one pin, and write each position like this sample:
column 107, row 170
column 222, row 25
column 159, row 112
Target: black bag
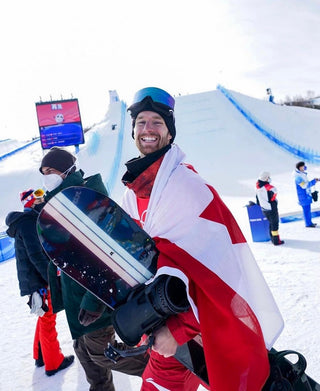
column 315, row 195
column 288, row 376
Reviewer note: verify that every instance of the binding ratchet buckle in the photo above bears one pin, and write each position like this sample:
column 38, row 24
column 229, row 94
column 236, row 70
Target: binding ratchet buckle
column 114, row 354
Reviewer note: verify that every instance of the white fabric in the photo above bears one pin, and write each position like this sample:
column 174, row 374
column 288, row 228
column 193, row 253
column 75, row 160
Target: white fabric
column 262, row 194
column 179, row 189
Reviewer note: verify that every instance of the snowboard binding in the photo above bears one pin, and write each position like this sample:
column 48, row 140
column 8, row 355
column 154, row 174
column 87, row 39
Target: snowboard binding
column 285, row 375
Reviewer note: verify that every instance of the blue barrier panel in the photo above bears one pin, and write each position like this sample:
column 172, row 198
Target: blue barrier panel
column 6, row 247
column 259, row 224
column 93, row 144
column 298, row 151
column 19, row 149
column 289, row 218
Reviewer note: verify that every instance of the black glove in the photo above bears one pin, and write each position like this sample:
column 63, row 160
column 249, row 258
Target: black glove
column 38, row 302
column 86, row 317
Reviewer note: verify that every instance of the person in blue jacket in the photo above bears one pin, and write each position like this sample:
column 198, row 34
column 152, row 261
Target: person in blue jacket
column 303, row 187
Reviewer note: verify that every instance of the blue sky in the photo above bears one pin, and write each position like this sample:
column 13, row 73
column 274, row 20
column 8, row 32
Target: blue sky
column 75, row 48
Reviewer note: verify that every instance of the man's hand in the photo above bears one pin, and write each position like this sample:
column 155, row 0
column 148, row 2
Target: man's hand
column 164, row 342
column 86, row 317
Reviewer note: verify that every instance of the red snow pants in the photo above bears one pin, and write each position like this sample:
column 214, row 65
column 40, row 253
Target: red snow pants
column 46, row 337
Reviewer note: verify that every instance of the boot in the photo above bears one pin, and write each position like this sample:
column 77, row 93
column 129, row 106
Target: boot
column 67, row 361
column 276, row 240
column 39, row 361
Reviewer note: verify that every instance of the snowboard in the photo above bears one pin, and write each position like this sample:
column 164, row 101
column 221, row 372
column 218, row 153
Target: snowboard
column 90, row 238
column 94, row 241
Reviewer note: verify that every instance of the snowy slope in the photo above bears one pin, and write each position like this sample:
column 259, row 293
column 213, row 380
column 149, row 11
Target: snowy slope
column 229, row 152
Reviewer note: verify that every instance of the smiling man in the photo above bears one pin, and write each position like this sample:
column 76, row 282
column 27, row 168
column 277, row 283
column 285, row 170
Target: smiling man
column 151, row 131
column 200, row 242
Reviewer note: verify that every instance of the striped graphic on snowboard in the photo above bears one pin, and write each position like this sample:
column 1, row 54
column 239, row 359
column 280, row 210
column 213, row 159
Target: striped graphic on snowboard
column 95, row 242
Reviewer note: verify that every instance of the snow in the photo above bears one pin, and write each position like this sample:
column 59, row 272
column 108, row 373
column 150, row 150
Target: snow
column 230, row 153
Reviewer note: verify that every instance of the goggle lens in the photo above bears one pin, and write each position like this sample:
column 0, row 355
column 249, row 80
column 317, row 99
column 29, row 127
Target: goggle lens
column 39, row 193
column 156, row 94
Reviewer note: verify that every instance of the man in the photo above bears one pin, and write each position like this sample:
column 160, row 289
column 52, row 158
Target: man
column 267, row 199
column 32, row 265
column 303, row 187
column 88, row 318
column 199, row 241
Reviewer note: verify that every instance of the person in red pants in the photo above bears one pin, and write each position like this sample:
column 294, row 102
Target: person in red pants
column 32, row 265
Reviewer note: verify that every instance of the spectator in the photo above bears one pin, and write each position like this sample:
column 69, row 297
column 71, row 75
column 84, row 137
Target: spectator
column 32, row 265
column 88, row 318
column 200, row 242
column 267, row 199
column 303, row 187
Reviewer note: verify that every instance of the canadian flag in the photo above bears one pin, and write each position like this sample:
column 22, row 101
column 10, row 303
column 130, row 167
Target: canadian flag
column 200, row 242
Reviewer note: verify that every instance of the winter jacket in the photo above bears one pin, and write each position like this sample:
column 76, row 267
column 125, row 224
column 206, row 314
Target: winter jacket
column 66, row 293
column 303, row 187
column 32, row 263
column 76, row 178
column 266, row 196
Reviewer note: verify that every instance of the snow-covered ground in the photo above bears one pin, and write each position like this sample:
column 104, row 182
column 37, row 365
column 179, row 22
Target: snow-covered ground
column 230, row 153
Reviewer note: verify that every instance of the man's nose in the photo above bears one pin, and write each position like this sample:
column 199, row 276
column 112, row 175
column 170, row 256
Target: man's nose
column 148, row 125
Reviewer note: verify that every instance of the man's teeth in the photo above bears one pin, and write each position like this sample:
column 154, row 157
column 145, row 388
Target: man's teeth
column 148, row 138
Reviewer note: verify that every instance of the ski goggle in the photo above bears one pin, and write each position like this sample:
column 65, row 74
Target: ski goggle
column 160, row 98
column 32, row 196
column 39, row 193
